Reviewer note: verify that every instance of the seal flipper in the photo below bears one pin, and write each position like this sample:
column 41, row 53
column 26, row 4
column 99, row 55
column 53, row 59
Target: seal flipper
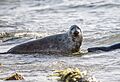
column 94, row 49
column 109, row 48
column 4, row 53
column 114, row 46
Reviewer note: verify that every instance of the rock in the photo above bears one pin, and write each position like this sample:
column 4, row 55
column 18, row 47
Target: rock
column 15, row 76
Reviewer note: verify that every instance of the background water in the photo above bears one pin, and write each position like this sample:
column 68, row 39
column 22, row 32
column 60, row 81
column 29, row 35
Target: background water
column 98, row 19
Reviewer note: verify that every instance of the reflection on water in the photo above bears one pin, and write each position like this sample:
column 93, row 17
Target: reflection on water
column 99, row 21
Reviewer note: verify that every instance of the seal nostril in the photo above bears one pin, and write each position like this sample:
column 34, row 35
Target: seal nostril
column 76, row 32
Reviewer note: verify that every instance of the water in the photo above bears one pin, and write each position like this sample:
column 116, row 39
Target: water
column 99, row 21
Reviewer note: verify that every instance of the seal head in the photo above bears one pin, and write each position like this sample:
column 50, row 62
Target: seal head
column 75, row 34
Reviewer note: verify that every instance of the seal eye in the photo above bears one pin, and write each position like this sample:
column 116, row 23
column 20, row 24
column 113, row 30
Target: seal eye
column 72, row 28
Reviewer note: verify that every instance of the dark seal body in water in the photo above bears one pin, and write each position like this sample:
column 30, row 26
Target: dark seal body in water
column 68, row 42
column 102, row 48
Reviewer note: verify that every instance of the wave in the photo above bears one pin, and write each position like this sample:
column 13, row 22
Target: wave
column 75, row 5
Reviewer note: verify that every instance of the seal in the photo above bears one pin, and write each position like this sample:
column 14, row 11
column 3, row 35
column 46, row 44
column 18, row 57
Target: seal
column 68, row 42
column 102, row 48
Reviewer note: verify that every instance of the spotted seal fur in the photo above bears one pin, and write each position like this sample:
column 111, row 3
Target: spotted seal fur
column 68, row 42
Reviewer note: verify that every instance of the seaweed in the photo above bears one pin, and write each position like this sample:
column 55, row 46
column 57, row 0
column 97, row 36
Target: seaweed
column 14, row 76
column 73, row 75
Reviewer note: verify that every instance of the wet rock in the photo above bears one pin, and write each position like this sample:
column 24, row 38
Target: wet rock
column 15, row 76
